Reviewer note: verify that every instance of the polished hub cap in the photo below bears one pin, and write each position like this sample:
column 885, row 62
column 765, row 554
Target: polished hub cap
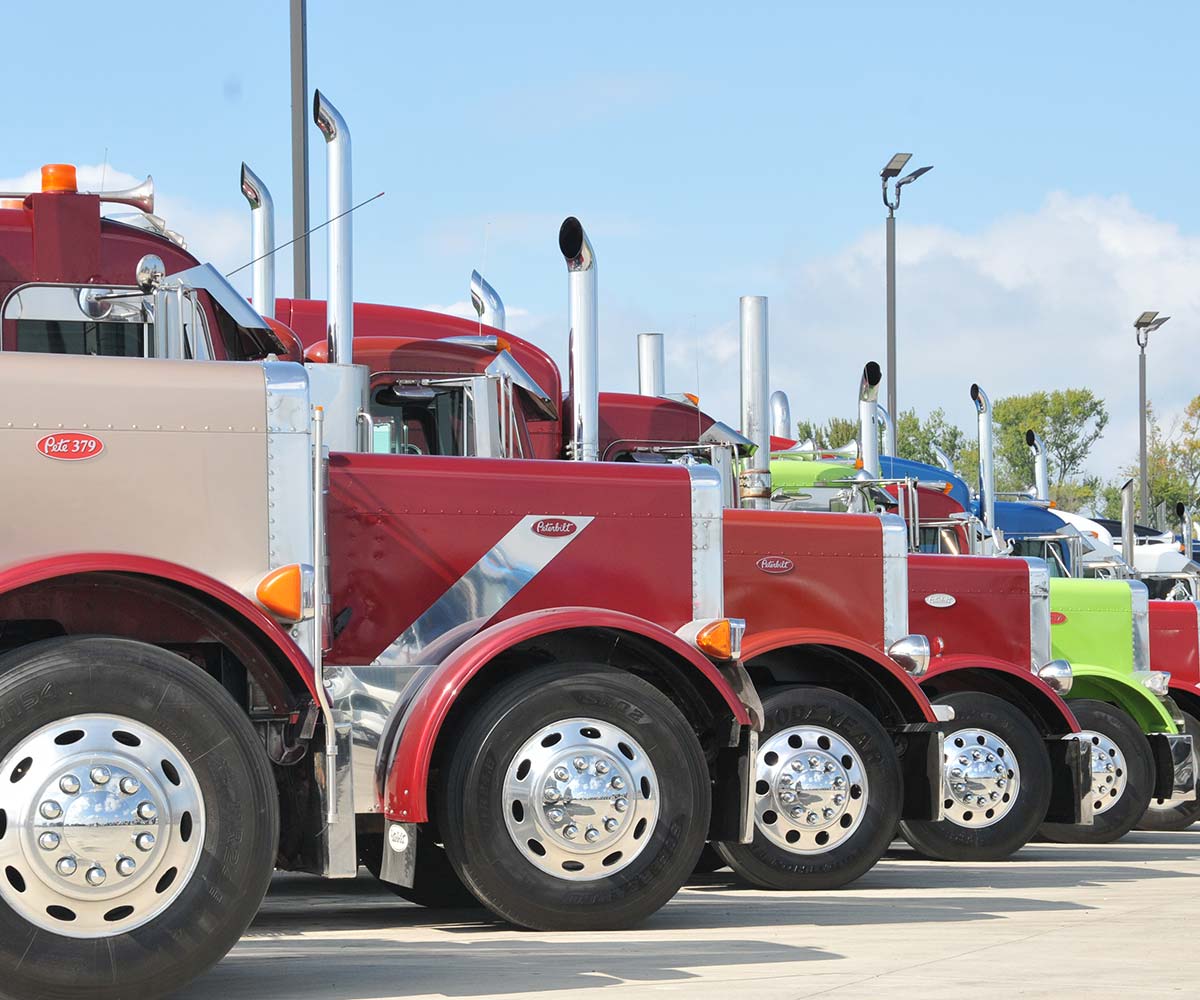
column 101, row 825
column 580, row 799
column 810, row 790
column 1109, row 773
column 981, row 778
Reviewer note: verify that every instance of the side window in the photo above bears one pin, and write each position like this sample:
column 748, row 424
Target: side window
column 417, row 420
column 64, row 319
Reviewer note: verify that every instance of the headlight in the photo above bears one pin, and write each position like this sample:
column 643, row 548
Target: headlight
column 912, row 653
column 1057, row 675
column 1158, row 681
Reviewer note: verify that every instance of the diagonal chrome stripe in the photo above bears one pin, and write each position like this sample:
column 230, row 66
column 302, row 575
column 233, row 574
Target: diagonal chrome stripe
column 481, row 592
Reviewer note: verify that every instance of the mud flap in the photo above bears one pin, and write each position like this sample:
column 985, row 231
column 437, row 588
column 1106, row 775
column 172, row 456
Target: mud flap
column 399, row 862
column 733, row 790
column 1070, row 781
column 1174, row 770
column 919, row 748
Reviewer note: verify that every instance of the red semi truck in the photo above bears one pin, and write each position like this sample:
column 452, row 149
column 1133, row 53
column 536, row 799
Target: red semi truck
column 231, row 640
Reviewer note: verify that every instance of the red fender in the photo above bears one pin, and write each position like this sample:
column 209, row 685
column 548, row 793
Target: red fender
column 406, row 794
column 1184, row 687
column 1049, row 699
column 765, row 642
column 24, row 574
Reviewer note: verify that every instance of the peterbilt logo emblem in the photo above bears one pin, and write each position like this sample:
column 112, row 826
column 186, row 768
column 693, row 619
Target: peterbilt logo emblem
column 941, row 600
column 554, row 527
column 1057, row 618
column 70, row 446
column 775, row 564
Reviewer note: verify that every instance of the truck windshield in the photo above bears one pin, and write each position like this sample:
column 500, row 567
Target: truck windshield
column 418, row 420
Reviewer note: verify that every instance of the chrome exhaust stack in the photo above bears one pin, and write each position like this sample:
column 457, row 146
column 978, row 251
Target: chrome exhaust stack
column 584, row 340
column 652, row 379
column 942, row 459
column 262, row 242
column 781, row 416
column 1128, row 538
column 987, row 465
column 868, row 404
column 1184, row 513
column 756, row 387
column 1041, row 465
column 487, row 303
column 339, row 295
column 889, row 430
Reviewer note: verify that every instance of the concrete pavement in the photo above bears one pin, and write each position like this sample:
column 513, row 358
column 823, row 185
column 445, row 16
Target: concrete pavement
column 1100, row 922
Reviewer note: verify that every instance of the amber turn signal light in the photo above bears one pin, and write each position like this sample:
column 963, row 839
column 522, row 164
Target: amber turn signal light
column 287, row 592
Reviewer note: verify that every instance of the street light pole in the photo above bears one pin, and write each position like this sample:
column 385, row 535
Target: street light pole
column 1142, row 326
column 893, row 168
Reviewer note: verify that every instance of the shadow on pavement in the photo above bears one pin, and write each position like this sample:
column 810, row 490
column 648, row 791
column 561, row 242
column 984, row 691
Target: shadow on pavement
column 350, row 969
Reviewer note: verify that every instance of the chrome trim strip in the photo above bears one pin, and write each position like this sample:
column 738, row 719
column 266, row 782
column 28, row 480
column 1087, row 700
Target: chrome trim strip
column 479, row 594
column 1039, row 612
column 708, row 556
column 895, row 578
column 1140, row 600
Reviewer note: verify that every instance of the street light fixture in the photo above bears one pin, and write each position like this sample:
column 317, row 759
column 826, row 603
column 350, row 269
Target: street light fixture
column 1143, row 326
column 896, row 164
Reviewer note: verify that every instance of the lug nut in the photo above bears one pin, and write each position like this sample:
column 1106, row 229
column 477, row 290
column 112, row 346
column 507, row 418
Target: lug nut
column 580, row 764
column 785, row 779
column 96, row 875
column 555, row 815
column 828, row 768
column 570, row 830
column 100, row 776
column 617, row 782
column 1001, row 782
column 976, row 755
column 812, row 818
column 813, row 761
column 956, row 772
column 797, row 765
column 561, row 773
column 48, row 840
column 601, row 767
column 146, row 811
column 69, row 784
column 999, row 769
column 991, row 758
column 620, row 805
column 1108, row 768
column 994, row 796
column 126, row 867
column 839, row 782
column 839, row 799
column 66, row 867
column 827, row 812
column 550, row 794
column 610, row 824
column 979, row 800
column 144, row 841
column 129, row 785
column 50, row 809
column 962, row 759
column 591, row 835
column 798, row 812
column 787, row 797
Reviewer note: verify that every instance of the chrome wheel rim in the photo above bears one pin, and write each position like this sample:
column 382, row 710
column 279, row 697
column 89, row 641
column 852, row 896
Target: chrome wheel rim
column 580, row 799
column 101, row 826
column 981, row 778
column 810, row 788
column 1110, row 773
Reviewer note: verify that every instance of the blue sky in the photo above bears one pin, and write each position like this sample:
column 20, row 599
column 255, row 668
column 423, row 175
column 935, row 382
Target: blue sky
column 711, row 150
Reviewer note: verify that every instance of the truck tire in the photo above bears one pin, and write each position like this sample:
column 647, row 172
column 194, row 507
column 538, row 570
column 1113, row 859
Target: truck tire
column 1159, row 815
column 709, row 861
column 435, row 883
column 139, row 821
column 1120, row 795
column 827, row 793
column 576, row 797
column 996, row 783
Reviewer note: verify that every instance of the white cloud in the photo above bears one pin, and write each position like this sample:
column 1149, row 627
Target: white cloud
column 1038, row 300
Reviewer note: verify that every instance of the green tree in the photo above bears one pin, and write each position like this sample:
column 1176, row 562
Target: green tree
column 915, row 438
column 835, row 432
column 1172, row 466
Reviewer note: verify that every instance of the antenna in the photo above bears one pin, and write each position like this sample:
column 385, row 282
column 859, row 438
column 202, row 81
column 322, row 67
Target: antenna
column 305, row 235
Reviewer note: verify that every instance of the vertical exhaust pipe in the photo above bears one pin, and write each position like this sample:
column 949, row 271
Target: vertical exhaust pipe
column 1041, row 466
column 868, row 403
column 987, row 467
column 756, row 386
column 486, row 302
column 1127, row 534
column 584, row 339
column 781, row 416
column 339, row 305
column 889, row 430
column 262, row 242
column 942, row 459
column 1184, row 513
column 652, row 378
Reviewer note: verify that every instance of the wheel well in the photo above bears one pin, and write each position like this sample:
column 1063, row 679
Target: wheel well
column 159, row 612
column 1189, row 701
column 1037, row 706
column 672, row 674
column 859, row 677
